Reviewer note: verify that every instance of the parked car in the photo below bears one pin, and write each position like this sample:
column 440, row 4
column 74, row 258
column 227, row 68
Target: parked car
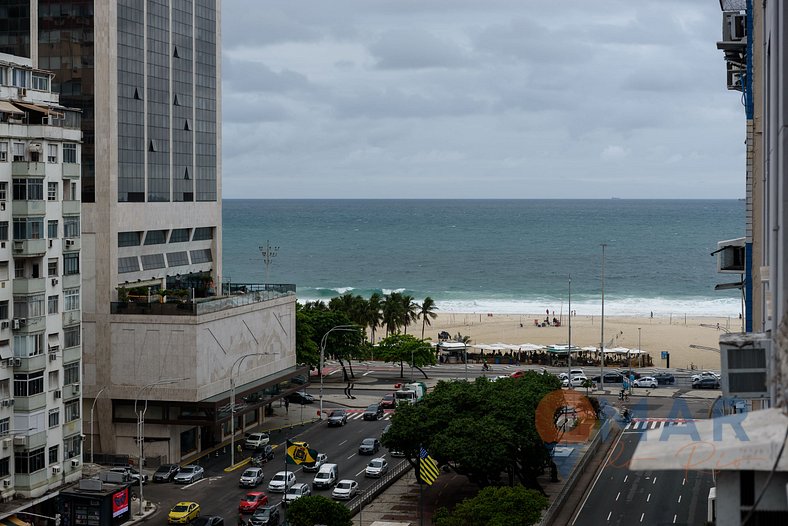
column 251, row 501
column 189, row 474
column 706, row 383
column 388, row 401
column 396, row 453
column 256, row 440
column 345, row 489
column 646, row 381
column 183, row 513
column 578, row 381
column 315, row 466
column 130, row 473
column 517, row 374
column 664, row 378
column 251, row 477
column 369, row 446
column 208, row 520
column 300, row 397
column 166, row 472
column 705, row 374
column 377, row 467
column 610, row 378
column 373, row 412
column 296, row 491
column 337, row 417
column 263, row 454
column 265, row 516
column 281, row 482
column 626, row 373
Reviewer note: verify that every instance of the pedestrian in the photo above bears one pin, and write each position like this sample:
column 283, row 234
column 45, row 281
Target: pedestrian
column 239, row 449
column 287, row 405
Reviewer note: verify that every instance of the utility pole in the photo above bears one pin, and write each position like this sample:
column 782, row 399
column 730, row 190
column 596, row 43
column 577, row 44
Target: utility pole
column 602, row 341
column 269, row 253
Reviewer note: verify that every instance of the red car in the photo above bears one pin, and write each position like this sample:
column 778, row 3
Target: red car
column 251, row 501
column 517, row 374
column 388, row 401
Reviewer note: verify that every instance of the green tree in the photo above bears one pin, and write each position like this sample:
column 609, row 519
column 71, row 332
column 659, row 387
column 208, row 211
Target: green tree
column 483, row 430
column 307, row 350
column 406, row 348
column 391, row 310
column 315, row 322
column 496, row 506
column 372, row 316
column 409, row 311
column 426, row 313
column 351, row 306
column 308, row 511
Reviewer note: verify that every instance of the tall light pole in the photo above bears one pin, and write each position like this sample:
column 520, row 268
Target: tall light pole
column 602, row 343
column 269, row 253
column 141, row 421
column 232, row 398
column 569, row 350
column 91, row 422
column 349, row 328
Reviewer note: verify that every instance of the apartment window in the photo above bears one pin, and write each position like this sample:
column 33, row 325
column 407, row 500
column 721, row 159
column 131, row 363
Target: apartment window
column 129, row 239
column 156, row 237
column 152, row 261
column 177, row 259
column 5, row 384
column 54, row 417
column 29, row 461
column 201, row 256
column 28, row 384
column 28, row 228
column 69, row 152
column 72, row 446
column 4, row 230
column 71, row 410
column 202, row 233
column 70, row 264
column 19, row 269
column 40, row 82
column 71, row 337
column 27, row 345
column 54, row 454
column 71, row 373
column 4, row 310
column 52, row 304
column 128, row 264
column 19, row 151
column 52, row 268
column 4, row 151
column 29, row 189
column 52, row 191
column 3, row 191
column 52, row 153
column 5, row 426
column 29, row 306
column 180, row 235
column 5, row 466
column 71, row 299
column 71, row 226
column 52, row 229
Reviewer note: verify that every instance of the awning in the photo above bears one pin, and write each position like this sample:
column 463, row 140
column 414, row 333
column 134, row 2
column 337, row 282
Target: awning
column 744, row 441
column 33, row 107
column 5, row 351
column 13, row 520
column 7, row 107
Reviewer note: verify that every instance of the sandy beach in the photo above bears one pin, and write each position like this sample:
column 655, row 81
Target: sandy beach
column 657, row 334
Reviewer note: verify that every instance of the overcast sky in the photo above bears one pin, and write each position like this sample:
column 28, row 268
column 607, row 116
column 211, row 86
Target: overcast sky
column 478, row 99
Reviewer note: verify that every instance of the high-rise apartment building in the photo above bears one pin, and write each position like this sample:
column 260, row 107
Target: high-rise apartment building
column 40, row 284
column 161, row 330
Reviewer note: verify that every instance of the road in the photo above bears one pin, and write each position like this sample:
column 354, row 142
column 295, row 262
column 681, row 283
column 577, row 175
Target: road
column 619, row 496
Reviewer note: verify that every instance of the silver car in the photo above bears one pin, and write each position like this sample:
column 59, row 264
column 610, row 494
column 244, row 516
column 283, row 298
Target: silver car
column 377, row 467
column 251, row 477
column 345, row 490
column 189, row 474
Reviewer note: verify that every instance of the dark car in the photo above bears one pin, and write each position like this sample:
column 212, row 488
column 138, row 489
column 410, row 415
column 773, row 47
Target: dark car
column 337, row 417
column 208, row 520
column 706, row 383
column 610, row 378
column 626, row 373
column 664, row 378
column 373, row 412
column 300, row 398
column 263, row 454
column 266, row 516
column 388, row 401
column 166, row 472
column 369, row 446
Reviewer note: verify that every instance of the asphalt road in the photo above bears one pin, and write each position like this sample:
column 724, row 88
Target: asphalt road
column 218, row 493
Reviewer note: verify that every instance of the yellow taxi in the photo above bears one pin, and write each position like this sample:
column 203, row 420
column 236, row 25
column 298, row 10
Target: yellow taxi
column 183, row 513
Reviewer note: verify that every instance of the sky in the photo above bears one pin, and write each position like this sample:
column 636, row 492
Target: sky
column 493, row 99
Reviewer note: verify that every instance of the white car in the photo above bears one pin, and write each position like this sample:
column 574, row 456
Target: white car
column 256, row 440
column 345, row 489
column 578, row 381
column 646, row 381
column 377, row 467
column 319, row 461
column 281, row 482
column 297, row 491
column 251, row 477
column 705, row 374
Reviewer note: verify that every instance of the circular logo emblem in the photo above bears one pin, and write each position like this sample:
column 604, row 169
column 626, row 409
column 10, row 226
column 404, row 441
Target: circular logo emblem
column 565, row 416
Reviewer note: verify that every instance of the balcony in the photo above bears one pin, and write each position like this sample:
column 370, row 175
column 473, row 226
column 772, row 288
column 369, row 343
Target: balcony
column 31, row 363
column 31, row 441
column 71, row 170
column 71, row 281
column 29, row 286
column 30, row 247
column 71, row 354
column 71, row 317
column 29, row 325
column 30, row 403
column 71, row 207
column 28, row 208
column 28, row 168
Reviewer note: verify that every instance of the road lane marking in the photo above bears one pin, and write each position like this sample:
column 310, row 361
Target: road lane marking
column 193, row 483
column 626, row 477
column 608, row 516
column 679, row 498
column 648, row 498
column 343, row 442
column 360, row 472
column 351, row 456
column 683, row 482
column 607, row 460
column 654, row 481
column 617, row 496
column 674, row 519
column 642, row 515
column 366, row 373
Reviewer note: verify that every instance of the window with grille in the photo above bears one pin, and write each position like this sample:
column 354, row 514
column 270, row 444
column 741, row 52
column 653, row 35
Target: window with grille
column 71, row 299
column 29, row 461
column 71, row 373
column 69, row 153
column 52, row 191
column 128, row 264
column 52, row 153
column 71, row 336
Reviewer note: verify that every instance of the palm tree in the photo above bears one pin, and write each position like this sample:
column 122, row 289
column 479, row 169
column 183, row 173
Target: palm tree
column 410, row 311
column 391, row 308
column 371, row 316
column 427, row 311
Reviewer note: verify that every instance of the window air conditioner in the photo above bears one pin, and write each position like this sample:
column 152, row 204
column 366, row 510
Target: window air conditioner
column 58, row 393
column 9, row 362
column 6, row 443
column 69, row 242
column 734, row 26
column 20, row 440
column 21, row 92
column 6, row 402
column 7, row 483
column 74, row 462
column 52, row 356
column 2, row 206
column 745, row 365
column 17, row 323
column 17, row 362
column 54, row 281
column 75, row 388
column 55, row 470
column 4, row 324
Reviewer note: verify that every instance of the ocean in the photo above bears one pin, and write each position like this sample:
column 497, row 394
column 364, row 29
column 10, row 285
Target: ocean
column 493, row 256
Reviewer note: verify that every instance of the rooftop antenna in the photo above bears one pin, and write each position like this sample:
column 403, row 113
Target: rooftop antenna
column 269, row 253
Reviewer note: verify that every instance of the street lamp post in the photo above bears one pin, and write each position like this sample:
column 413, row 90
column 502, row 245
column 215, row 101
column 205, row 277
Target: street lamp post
column 349, row 328
column 141, row 421
column 232, row 398
column 569, row 350
column 602, row 343
column 92, row 407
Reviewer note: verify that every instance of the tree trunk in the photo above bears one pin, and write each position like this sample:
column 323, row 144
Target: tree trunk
column 401, row 370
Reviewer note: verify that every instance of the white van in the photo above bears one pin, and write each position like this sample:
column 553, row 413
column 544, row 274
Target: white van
column 326, row 477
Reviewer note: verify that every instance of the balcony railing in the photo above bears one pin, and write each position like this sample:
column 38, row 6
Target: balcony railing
column 239, row 296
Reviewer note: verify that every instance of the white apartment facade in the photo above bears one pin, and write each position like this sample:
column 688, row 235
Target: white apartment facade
column 40, row 284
